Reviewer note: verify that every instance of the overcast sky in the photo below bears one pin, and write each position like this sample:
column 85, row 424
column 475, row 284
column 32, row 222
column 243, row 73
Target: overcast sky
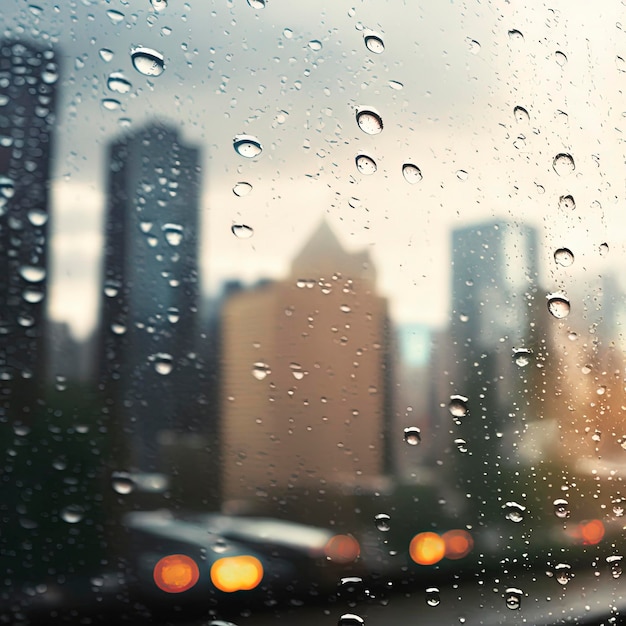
column 293, row 74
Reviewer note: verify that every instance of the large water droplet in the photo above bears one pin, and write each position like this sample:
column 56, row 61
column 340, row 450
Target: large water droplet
column 261, row 370
column 105, row 54
column 7, row 187
column 352, row 590
column 521, row 356
column 563, row 164
column 603, row 249
column 561, row 508
column 173, row 315
column 412, row 174
column 461, row 445
column 163, row 363
column 32, row 274
column 37, row 217
column 567, row 203
column 563, row 257
column 396, row 84
column 513, row 598
column 115, row 16
column 515, row 34
column 242, row 231
column 247, row 146
column 159, row 5
column 558, row 305
column 257, row 4
column 119, row 83
column 315, row 45
column 458, row 406
column 433, row 597
column 32, row 296
column 412, row 435
column 383, row 522
column 521, row 114
column 369, row 121
column 374, row 43
column 173, row 233
column 563, row 573
column 296, row 371
column 560, row 57
column 147, row 61
column 365, row 164
column 349, row 619
column 110, row 104
column 72, row 514
column 514, row 511
column 462, row 175
column 122, row 483
column 242, row 189
column 615, row 564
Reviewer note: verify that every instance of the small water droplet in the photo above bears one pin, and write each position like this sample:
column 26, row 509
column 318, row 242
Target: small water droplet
column 412, row 435
column 32, row 273
column 474, row 46
column 173, row 315
column 618, row 507
column 115, row 16
column 105, row 54
column 315, row 45
column 296, row 371
column 352, row 590
column 458, row 406
column 563, row 573
column 111, row 288
column 72, row 514
column 521, row 356
column 7, row 187
column 558, row 305
column 122, row 483
column 374, row 43
column 261, row 370
column 514, row 511
column 365, row 164
column 567, row 203
column 521, row 115
column 412, row 174
column 110, row 104
column 369, row 120
column 513, row 598
column 163, row 363
column 563, row 164
column 560, row 58
column 242, row 189
column 173, row 234
column 257, row 4
column 603, row 249
column 159, row 5
column 561, row 508
column 287, row 33
column 242, row 231
column 383, row 522
column 349, row 619
column 396, row 84
column 461, row 445
column 462, row 175
column 433, row 597
column 515, row 34
column 247, row 146
column 615, row 564
column 117, row 328
column 147, row 61
column 563, row 257
column 119, row 83
column 32, row 296
column 37, row 217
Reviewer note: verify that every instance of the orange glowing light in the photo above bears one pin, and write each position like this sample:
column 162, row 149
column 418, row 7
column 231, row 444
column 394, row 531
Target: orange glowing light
column 342, row 549
column 236, row 573
column 176, row 573
column 427, row 548
column 591, row 532
column 459, row 543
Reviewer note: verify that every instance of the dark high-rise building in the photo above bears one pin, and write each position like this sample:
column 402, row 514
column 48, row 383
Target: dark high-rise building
column 150, row 292
column 28, row 75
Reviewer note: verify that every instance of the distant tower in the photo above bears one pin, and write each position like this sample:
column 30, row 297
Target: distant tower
column 150, row 290
column 28, row 75
column 304, row 379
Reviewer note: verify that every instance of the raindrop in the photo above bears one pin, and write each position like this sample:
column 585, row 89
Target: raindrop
column 513, row 598
column 260, row 370
column 241, row 231
column 115, row 16
column 37, row 217
column 72, row 514
column 374, row 43
column 349, row 619
column 521, row 356
column 105, row 54
column 412, row 174
column 567, row 203
column 515, row 34
column 514, row 512
column 32, row 296
column 352, row 589
column 382, row 521
column 521, row 114
column 563, row 257
column 563, row 164
column 365, row 164
column 173, row 233
column 296, row 371
column 560, row 58
column 458, row 406
column 257, row 4
column 147, row 61
column 110, row 104
column 247, row 146
column 242, row 189
column 603, row 249
column 315, row 45
column 173, row 315
column 163, row 363
column 412, row 435
column 462, row 175
column 32, row 273
column 563, row 573
column 618, row 507
column 561, row 508
column 7, row 187
column 111, row 288
column 558, row 305
column 287, row 33
column 369, row 121
column 461, row 445
column 433, row 597
column 122, row 483
column 117, row 328
column 159, row 5
column 220, row 546
column 119, row 83
column 396, row 84
column 474, row 46
column 615, row 564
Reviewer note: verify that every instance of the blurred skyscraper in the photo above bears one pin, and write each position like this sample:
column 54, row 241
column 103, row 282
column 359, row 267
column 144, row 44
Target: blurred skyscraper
column 150, row 293
column 28, row 75
column 304, row 377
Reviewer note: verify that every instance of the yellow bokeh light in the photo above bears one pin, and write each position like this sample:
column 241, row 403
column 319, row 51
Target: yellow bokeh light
column 236, row 573
column 427, row 548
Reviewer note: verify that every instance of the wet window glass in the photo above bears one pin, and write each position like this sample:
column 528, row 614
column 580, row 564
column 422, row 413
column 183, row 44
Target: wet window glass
column 311, row 312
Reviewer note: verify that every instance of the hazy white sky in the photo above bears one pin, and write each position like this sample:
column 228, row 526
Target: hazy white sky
column 234, row 69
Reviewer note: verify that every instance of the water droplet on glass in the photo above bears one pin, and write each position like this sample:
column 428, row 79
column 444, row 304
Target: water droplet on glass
column 374, row 43
column 352, row 590
column 111, row 288
column 514, row 511
column 296, row 371
column 365, row 164
column 369, row 121
column 563, row 164
column 37, row 217
column 163, row 363
column 242, row 189
column 220, row 545
column 561, row 508
column 159, row 5
column 396, row 84
column 563, row 573
column 461, row 445
column 615, row 564
column 110, row 104
column 618, row 507
column 349, row 619
column 72, row 514
column 315, row 45
column 122, row 483
column 173, row 315
column 118, row 328
column 433, row 598
column 173, row 233
column 115, row 16
column 603, row 249
column 521, row 114
column 147, row 61
column 560, row 58
column 7, row 187
column 105, row 54
column 412, row 174
column 287, row 33
column 458, row 406
column 567, row 203
column 521, row 356
column 462, row 175
column 474, row 46
column 32, row 273
column 260, row 370
column 119, row 83
column 563, row 257
column 558, row 305
column 241, row 231
column 515, row 34
column 257, row 4
column 247, row 146
column 383, row 522
column 412, row 435
column 32, row 296
column 513, row 598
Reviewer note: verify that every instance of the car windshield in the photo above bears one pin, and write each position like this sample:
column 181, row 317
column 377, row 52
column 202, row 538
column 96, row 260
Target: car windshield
column 312, row 312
